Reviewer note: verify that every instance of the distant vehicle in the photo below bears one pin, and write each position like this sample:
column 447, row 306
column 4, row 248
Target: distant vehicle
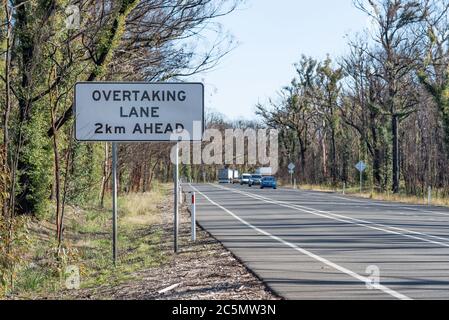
column 236, row 177
column 267, row 171
column 268, row 182
column 255, row 180
column 225, row 175
column 245, row 178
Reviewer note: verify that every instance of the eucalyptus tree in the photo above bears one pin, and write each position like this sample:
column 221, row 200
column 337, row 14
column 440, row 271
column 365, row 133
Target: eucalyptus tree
column 293, row 113
column 116, row 40
column 152, row 40
column 433, row 71
column 360, row 110
column 327, row 104
column 396, row 52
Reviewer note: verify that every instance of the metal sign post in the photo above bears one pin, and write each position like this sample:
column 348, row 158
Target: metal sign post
column 176, row 201
column 291, row 170
column 361, row 166
column 114, row 203
column 361, row 182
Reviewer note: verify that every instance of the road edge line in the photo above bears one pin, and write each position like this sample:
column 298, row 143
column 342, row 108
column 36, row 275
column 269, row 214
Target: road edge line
column 329, row 263
column 345, row 219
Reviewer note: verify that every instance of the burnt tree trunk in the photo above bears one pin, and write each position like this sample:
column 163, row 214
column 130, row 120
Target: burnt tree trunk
column 395, row 134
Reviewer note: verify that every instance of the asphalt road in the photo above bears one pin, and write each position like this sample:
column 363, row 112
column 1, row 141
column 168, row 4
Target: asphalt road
column 312, row 245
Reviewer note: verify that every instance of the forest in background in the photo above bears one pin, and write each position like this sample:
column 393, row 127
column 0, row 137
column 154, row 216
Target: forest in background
column 46, row 46
column 386, row 102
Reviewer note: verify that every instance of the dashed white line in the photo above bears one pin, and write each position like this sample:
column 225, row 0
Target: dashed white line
column 346, row 219
column 351, row 273
column 373, row 203
column 405, row 207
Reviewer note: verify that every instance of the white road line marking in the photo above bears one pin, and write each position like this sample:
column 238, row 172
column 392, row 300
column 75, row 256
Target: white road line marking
column 373, row 203
column 405, row 207
column 346, row 219
column 351, row 273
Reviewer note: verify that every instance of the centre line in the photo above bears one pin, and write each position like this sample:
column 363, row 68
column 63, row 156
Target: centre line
column 329, row 263
column 346, row 219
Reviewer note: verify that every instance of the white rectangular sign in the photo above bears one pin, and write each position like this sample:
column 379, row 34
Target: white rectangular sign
column 136, row 111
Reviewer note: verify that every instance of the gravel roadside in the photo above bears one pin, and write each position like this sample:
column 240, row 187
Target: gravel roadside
column 203, row 270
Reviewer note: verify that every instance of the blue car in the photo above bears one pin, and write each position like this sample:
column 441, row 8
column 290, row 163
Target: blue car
column 268, row 182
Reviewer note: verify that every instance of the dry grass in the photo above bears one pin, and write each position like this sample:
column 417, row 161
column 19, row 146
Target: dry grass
column 146, row 262
column 88, row 241
column 312, row 187
column 142, row 208
column 437, row 200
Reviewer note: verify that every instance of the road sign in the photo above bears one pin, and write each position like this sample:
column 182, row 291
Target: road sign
column 139, row 111
column 136, row 111
column 361, row 166
column 291, row 171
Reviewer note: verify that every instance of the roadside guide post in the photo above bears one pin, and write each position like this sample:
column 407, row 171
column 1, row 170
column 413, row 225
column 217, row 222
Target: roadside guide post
column 193, row 217
column 139, row 112
column 429, row 196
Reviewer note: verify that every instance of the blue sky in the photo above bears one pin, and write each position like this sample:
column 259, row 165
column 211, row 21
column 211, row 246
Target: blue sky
column 272, row 36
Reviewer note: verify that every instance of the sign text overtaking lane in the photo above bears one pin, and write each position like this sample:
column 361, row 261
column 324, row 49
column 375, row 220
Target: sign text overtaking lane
column 121, row 111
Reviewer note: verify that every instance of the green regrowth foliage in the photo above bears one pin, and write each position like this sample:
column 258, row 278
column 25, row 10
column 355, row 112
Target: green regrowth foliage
column 37, row 155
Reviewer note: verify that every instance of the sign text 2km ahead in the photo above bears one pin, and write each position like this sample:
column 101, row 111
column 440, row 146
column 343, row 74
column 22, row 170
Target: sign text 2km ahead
column 130, row 111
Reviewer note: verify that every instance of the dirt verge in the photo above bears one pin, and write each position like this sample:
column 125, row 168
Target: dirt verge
column 203, row 270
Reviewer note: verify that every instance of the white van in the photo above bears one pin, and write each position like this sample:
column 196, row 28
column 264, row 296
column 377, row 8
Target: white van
column 245, row 179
